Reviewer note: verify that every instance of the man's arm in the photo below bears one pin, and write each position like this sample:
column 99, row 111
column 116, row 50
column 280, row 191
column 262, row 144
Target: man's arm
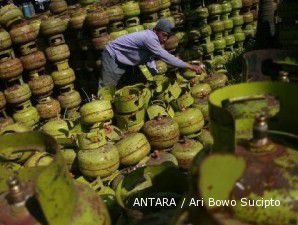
column 155, row 47
column 152, row 66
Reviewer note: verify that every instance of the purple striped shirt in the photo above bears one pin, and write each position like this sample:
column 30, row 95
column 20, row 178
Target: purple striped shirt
column 140, row 48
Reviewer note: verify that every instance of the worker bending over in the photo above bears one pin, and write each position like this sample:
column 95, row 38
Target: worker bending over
column 141, row 47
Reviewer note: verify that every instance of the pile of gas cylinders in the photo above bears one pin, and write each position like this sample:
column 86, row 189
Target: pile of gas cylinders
column 182, row 140
column 218, row 31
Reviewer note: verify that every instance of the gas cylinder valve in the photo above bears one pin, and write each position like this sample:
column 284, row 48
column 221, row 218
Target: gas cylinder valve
column 16, row 194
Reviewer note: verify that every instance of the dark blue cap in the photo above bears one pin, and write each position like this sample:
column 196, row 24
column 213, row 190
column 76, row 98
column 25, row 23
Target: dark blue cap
column 165, row 25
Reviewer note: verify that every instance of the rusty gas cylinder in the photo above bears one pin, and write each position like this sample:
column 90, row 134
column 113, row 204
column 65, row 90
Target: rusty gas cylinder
column 58, row 53
column 34, row 60
column 77, row 18
column 69, row 97
column 23, row 33
column 100, row 38
column 10, row 68
column 133, row 148
column 10, row 14
column 48, row 108
column 26, row 114
column 97, row 18
column 185, row 151
column 41, row 85
column 149, row 6
column 5, row 40
column 64, row 75
column 96, row 111
column 131, row 8
column 115, row 13
column 17, row 93
column 162, row 132
column 101, row 162
column 190, row 120
column 58, row 6
column 54, row 25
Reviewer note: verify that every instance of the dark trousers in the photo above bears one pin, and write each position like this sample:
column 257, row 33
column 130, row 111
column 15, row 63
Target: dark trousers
column 111, row 71
column 117, row 74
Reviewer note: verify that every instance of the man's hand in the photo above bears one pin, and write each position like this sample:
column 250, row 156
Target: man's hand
column 196, row 68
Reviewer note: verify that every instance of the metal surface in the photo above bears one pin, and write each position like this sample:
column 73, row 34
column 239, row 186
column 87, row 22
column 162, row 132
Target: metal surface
column 53, row 187
column 223, row 125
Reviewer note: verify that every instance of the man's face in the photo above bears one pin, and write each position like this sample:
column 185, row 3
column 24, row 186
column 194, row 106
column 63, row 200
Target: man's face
column 162, row 36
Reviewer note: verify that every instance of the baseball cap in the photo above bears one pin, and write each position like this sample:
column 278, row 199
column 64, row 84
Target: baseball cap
column 165, row 25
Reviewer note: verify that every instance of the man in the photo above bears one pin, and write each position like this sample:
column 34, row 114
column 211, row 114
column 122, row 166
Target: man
column 139, row 48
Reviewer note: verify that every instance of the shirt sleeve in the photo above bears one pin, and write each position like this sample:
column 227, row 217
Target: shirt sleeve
column 152, row 66
column 155, row 47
